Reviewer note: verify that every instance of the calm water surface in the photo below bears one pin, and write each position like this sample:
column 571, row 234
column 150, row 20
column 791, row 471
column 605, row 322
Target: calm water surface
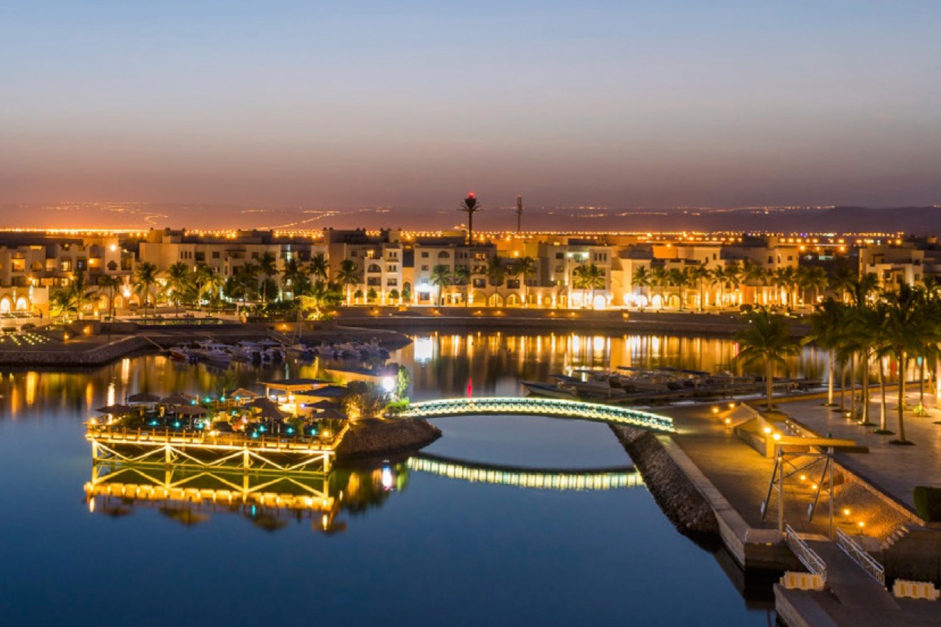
column 406, row 546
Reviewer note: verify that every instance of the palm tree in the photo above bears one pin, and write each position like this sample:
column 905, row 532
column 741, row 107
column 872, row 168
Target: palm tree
column 319, row 268
column 462, row 276
column 73, row 297
column 268, row 267
column 641, row 278
column 470, row 206
column 524, row 268
column 440, row 278
column 246, row 279
column 588, row 277
column 812, row 278
column 110, row 282
column 718, row 278
column 733, row 276
column 658, row 279
column 496, row 271
column 293, row 276
column 826, row 331
column 906, row 332
column 178, row 282
column 754, row 274
column 347, row 277
column 145, row 277
column 209, row 283
column 766, row 339
column 698, row 275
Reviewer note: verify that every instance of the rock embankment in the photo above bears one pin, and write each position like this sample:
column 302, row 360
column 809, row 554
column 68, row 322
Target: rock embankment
column 671, row 488
column 382, row 438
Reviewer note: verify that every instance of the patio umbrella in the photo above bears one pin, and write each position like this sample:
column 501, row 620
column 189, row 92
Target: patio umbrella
column 143, row 397
column 116, row 409
column 188, row 410
column 268, row 409
column 243, row 394
column 178, row 398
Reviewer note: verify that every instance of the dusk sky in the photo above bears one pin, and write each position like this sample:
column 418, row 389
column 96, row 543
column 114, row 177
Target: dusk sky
column 411, row 104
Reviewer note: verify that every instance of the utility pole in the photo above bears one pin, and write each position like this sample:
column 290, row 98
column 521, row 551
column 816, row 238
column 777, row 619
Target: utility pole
column 519, row 213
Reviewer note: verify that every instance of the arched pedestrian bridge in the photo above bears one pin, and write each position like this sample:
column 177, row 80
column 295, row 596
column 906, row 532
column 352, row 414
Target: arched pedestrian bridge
column 532, row 406
column 541, row 479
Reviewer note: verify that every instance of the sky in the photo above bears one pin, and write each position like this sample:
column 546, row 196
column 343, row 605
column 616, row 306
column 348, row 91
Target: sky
column 341, row 106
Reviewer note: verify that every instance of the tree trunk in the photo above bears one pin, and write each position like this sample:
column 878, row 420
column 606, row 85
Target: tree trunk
column 882, row 412
column 769, row 383
column 830, row 380
column 921, row 383
column 865, row 392
column 853, row 385
column 902, row 363
column 842, row 388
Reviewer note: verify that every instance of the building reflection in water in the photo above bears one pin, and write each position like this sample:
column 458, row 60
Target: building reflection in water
column 270, row 500
column 441, row 364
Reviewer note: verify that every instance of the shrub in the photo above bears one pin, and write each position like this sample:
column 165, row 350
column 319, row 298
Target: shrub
column 928, row 503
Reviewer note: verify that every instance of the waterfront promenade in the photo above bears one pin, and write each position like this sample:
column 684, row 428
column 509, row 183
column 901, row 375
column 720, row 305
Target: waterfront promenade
column 895, row 470
column 872, row 503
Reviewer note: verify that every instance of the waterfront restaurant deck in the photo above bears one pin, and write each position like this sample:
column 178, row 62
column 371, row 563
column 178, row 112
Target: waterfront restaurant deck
column 212, row 449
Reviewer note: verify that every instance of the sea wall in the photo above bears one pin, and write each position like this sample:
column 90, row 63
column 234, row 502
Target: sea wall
column 381, row 438
column 671, row 488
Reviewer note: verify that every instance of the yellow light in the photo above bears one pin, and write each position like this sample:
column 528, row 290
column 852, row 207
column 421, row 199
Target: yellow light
column 728, row 421
column 861, row 524
column 731, row 405
column 715, row 409
column 846, row 511
column 776, row 437
column 803, row 477
column 813, row 487
column 767, row 430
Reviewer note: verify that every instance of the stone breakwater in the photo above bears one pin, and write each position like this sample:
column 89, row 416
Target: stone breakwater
column 77, row 356
column 671, row 488
column 383, row 438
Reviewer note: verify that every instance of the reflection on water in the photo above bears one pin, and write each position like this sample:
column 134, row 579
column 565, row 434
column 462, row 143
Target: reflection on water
column 448, row 537
column 192, row 495
column 268, row 500
column 441, row 365
column 493, row 363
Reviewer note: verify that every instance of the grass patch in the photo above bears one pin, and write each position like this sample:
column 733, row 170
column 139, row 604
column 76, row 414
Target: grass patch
column 902, row 442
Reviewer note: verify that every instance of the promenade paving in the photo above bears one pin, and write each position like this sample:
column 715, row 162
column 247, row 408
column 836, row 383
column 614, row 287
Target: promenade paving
column 742, row 474
column 895, row 469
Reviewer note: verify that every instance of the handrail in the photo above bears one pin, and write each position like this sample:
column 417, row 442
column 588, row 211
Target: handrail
column 538, row 406
column 807, row 556
column 859, row 555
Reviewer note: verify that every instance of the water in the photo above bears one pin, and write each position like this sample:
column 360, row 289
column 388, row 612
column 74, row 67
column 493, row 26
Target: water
column 403, row 547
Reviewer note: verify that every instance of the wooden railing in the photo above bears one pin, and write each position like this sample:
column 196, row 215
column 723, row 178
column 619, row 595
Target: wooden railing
column 200, row 437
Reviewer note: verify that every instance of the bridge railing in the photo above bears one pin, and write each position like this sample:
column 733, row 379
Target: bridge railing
column 807, row 556
column 538, row 406
column 859, row 555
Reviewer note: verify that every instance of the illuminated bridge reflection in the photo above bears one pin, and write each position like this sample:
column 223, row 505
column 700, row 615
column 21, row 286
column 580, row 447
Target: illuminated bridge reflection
column 537, row 478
